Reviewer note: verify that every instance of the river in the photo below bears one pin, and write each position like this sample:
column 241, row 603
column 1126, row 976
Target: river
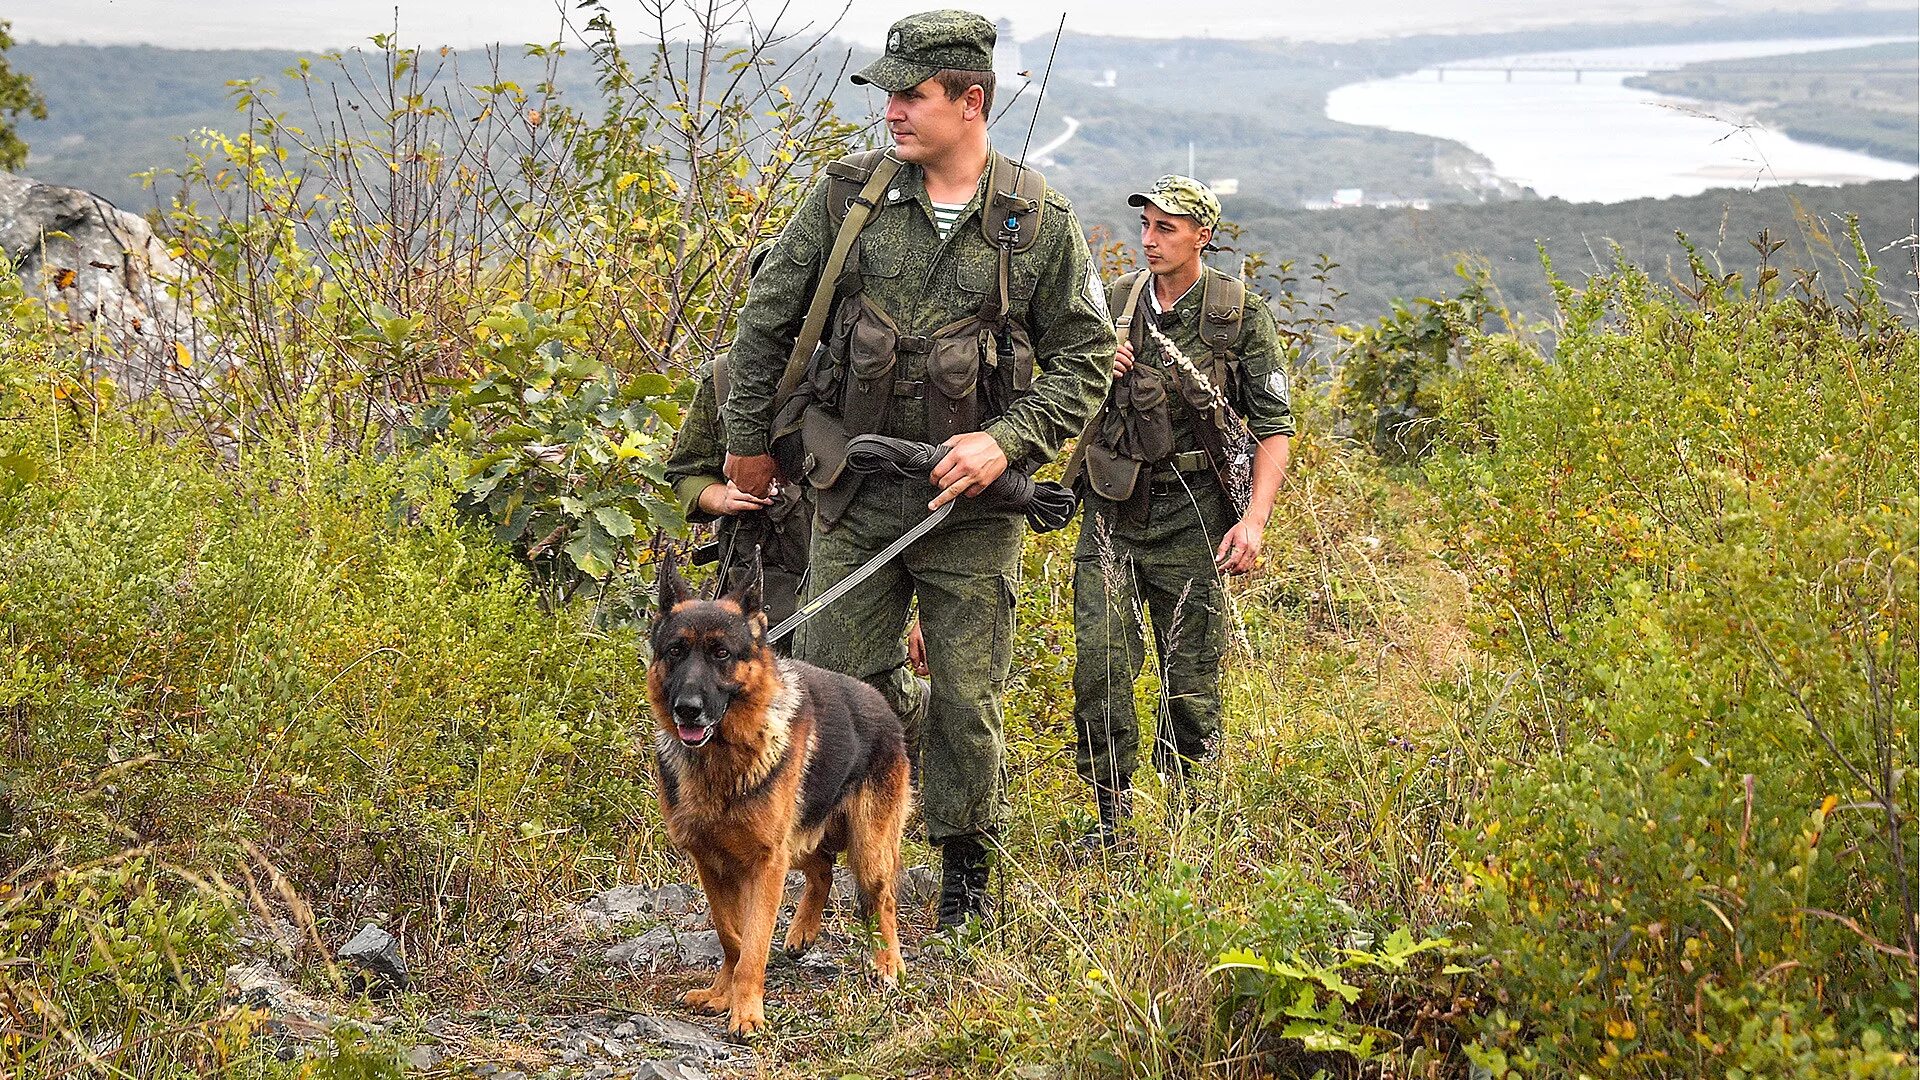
column 1598, row 140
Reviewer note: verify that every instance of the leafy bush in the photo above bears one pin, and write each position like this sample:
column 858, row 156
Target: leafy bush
column 1392, row 373
column 1692, row 533
column 561, row 454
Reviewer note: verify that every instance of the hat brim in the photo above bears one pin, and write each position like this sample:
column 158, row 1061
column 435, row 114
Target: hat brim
column 892, row 74
column 1142, row 198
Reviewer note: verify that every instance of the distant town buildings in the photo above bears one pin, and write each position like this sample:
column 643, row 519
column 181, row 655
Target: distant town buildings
column 1350, row 198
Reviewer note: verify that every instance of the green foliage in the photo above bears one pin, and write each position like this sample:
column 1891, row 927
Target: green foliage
column 1310, row 1002
column 561, row 455
column 17, row 98
column 1392, row 373
column 309, row 640
column 95, row 940
column 1693, row 536
column 512, row 277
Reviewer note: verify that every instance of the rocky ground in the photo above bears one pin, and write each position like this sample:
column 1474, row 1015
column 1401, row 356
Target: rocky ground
column 659, row 934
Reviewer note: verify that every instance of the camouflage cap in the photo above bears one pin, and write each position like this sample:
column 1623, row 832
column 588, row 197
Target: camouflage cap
column 920, row 45
column 1182, row 195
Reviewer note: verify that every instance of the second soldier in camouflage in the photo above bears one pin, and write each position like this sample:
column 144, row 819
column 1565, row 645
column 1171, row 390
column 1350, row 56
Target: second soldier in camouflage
column 1159, row 526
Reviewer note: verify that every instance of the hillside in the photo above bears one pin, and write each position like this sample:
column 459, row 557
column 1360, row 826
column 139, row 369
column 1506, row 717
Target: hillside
column 1386, row 254
column 1861, row 99
column 1253, row 109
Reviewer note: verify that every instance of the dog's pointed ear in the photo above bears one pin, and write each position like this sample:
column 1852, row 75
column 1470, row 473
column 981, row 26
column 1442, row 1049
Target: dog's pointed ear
column 674, row 589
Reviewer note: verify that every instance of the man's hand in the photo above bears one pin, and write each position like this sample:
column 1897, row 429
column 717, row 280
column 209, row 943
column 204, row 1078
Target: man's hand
column 753, row 475
column 973, row 461
column 1123, row 360
column 1240, row 548
column 726, row 500
column 917, row 650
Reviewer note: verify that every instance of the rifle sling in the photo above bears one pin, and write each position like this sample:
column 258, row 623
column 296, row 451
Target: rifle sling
column 858, row 212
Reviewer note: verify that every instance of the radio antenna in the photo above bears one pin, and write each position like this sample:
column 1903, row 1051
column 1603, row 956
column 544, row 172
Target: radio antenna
column 1046, row 75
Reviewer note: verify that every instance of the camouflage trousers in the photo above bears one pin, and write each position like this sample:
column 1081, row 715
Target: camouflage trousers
column 1165, row 565
column 962, row 575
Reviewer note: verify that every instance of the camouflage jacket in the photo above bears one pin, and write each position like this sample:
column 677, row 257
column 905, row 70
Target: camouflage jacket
column 695, row 461
column 1260, row 393
column 923, row 283
column 694, row 464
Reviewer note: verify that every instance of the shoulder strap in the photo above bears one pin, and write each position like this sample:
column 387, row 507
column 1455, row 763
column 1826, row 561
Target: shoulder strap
column 1123, row 299
column 1223, row 301
column 856, row 211
column 1015, row 194
column 1010, row 219
column 1134, row 283
column 719, row 380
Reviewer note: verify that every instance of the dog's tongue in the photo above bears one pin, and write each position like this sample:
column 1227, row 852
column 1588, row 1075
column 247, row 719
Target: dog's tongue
column 692, row 734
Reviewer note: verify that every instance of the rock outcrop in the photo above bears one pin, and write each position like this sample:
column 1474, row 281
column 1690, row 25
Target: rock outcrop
column 103, row 268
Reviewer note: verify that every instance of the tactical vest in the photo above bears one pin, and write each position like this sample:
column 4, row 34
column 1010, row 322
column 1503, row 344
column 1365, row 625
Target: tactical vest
column 1134, row 427
column 974, row 366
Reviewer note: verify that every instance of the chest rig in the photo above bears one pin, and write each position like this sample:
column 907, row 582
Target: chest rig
column 962, row 374
column 1134, row 427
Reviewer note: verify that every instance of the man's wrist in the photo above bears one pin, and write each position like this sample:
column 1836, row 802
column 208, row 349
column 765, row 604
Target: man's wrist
column 1010, row 444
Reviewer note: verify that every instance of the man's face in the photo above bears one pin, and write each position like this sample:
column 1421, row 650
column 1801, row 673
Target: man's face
column 1170, row 241
column 926, row 125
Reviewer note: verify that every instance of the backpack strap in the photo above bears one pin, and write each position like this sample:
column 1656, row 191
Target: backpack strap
column 1010, row 219
column 853, row 214
column 720, row 380
column 1123, row 297
column 1223, row 303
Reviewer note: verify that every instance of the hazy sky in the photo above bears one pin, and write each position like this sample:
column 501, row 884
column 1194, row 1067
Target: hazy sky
column 315, row 24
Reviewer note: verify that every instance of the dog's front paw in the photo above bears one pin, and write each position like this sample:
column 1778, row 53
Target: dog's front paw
column 799, row 942
column 747, row 1021
column 707, row 1000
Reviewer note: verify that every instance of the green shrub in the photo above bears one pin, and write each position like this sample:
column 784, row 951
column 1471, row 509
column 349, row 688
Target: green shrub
column 309, row 651
column 1692, row 536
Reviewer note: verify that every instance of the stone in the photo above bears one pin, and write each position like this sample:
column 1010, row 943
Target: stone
column 625, row 1030
column 665, row 946
column 375, row 951
column 668, row 1070
column 629, row 903
column 289, row 1012
column 685, row 1039
column 422, row 1058
column 110, row 273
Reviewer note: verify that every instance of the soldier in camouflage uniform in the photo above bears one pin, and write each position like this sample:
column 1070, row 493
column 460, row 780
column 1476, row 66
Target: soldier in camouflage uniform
column 998, row 349
column 777, row 528
column 1159, row 526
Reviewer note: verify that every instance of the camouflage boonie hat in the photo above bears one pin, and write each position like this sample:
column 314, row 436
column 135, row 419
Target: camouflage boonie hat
column 1182, row 195
column 920, row 45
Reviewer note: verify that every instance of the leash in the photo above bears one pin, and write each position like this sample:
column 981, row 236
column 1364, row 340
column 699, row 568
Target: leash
column 866, row 569
column 1048, row 506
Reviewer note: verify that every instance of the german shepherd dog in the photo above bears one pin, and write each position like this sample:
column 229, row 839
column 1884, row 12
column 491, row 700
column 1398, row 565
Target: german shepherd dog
column 768, row 763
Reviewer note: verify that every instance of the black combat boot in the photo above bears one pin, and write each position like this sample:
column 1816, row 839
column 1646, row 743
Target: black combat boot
column 963, row 881
column 1115, row 807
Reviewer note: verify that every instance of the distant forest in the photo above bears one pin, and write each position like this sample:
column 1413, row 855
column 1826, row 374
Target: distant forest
column 1401, row 254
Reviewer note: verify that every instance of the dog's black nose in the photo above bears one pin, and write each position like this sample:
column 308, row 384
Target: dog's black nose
column 689, row 708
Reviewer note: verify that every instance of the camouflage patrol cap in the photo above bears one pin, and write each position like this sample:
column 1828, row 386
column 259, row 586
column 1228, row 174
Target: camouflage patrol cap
column 1182, row 195
column 919, row 46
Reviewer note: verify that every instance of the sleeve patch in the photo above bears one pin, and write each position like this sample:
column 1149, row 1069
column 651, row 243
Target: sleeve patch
column 1097, row 294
